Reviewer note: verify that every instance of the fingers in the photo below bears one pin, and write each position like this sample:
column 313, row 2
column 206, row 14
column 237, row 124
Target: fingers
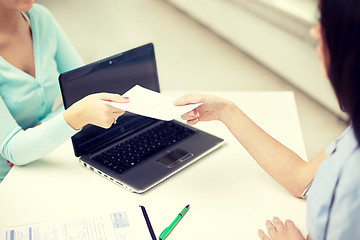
column 278, row 224
column 191, row 117
column 117, row 115
column 188, row 98
column 275, row 226
column 270, row 227
column 193, row 121
column 106, row 115
column 111, row 119
column 112, row 97
column 193, row 114
column 277, row 230
column 113, row 111
column 290, row 226
column 110, row 110
column 262, row 235
column 91, row 110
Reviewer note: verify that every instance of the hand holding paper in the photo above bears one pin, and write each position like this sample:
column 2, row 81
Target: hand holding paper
column 152, row 104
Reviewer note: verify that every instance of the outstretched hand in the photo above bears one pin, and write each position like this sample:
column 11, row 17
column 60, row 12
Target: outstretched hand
column 210, row 109
column 91, row 110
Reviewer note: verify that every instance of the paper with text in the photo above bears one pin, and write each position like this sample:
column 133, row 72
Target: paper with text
column 152, row 104
column 115, row 226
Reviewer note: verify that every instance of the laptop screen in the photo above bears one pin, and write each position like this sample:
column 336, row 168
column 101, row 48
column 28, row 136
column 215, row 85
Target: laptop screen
column 116, row 74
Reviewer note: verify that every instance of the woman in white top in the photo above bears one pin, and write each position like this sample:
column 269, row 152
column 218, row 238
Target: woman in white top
column 334, row 195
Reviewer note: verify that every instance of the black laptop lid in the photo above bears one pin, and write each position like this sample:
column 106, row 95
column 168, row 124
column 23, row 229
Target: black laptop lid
column 116, row 74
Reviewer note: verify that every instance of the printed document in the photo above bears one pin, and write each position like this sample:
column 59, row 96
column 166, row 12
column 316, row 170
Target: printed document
column 119, row 225
column 152, row 104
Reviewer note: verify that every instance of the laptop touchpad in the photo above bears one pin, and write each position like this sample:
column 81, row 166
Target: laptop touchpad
column 174, row 157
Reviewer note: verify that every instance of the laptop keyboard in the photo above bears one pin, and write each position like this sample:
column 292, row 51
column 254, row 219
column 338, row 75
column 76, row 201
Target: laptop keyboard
column 130, row 153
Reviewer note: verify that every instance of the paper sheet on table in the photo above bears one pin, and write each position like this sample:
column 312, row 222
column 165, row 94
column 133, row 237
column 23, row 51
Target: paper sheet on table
column 152, row 104
column 126, row 225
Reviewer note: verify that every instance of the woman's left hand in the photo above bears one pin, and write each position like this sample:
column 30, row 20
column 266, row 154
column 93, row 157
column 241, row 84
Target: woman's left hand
column 277, row 230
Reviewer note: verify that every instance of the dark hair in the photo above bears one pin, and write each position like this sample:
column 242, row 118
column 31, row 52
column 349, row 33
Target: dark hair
column 340, row 24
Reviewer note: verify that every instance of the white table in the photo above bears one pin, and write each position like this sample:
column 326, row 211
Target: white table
column 230, row 195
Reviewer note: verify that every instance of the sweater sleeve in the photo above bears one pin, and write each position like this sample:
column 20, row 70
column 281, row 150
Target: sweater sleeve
column 23, row 146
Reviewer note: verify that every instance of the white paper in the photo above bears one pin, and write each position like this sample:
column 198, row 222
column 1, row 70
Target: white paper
column 119, row 225
column 152, row 104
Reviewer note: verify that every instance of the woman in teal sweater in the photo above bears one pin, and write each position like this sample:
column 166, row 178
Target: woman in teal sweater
column 33, row 52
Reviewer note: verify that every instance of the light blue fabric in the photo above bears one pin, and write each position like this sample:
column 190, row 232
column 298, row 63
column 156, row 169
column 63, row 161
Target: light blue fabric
column 26, row 101
column 343, row 163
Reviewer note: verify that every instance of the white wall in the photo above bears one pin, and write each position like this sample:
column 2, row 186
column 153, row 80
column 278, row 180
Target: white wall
column 292, row 57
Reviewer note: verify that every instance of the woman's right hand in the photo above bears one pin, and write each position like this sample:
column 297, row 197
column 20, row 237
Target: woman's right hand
column 212, row 107
column 91, row 110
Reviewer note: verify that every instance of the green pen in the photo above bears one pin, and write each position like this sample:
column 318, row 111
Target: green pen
column 167, row 230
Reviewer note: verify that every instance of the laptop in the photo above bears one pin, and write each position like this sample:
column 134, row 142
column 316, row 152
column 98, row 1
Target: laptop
column 136, row 152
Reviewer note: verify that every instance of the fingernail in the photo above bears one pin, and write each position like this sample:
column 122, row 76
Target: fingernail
column 126, row 97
